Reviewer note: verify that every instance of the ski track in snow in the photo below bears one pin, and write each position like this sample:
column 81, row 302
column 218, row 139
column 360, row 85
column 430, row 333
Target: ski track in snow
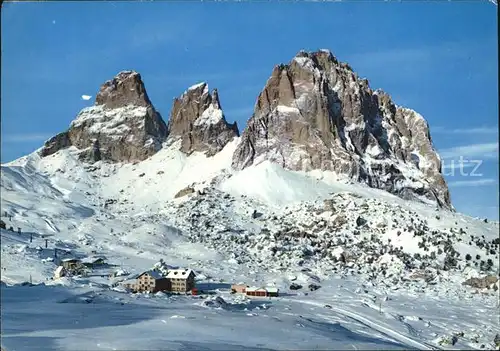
column 377, row 326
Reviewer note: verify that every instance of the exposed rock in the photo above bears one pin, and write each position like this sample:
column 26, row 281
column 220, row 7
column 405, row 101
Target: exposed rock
column 184, row 192
column 339, row 221
column 316, row 113
column 295, row 286
column 197, row 119
column 481, row 283
column 91, row 154
column 56, row 143
column 108, row 202
column 220, row 301
column 123, row 126
column 421, row 275
column 256, row 214
column 360, row 221
column 314, row 287
column 126, row 88
column 328, row 205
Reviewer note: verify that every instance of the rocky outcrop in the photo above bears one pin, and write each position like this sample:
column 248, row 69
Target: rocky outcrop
column 197, row 119
column 123, row 126
column 316, row 113
column 481, row 283
column 56, row 143
column 183, row 192
column 125, row 89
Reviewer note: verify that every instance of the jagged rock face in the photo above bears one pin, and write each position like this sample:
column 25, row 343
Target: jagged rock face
column 123, row 126
column 56, row 143
column 197, row 119
column 315, row 113
column 125, row 89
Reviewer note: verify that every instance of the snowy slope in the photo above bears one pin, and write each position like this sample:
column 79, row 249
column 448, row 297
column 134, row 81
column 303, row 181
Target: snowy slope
column 273, row 185
column 263, row 226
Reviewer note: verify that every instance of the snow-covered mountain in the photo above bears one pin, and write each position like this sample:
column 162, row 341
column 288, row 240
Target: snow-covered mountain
column 316, row 113
column 377, row 252
column 198, row 121
column 123, row 126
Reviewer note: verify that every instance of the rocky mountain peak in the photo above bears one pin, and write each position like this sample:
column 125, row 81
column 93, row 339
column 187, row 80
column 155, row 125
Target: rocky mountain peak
column 123, row 126
column 316, row 113
column 215, row 100
column 197, row 119
column 126, row 88
column 323, row 54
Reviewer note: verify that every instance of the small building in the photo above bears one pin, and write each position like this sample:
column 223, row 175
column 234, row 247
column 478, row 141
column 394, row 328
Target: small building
column 131, row 279
column 149, row 281
column 94, row 261
column 181, row 280
column 60, row 272
column 262, row 292
column 70, row 263
column 272, row 292
column 120, row 273
column 239, row 288
column 255, row 291
column 129, row 284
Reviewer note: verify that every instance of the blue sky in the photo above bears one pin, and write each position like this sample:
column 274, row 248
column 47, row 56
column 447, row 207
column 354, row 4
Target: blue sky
column 439, row 58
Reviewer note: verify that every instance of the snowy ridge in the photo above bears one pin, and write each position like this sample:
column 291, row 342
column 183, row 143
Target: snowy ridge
column 277, row 186
column 212, row 115
column 196, row 86
column 306, row 63
column 112, row 122
column 286, row 109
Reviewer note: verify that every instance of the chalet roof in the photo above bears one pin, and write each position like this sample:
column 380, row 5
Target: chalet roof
column 179, row 273
column 272, row 289
column 93, row 259
column 154, row 274
column 133, row 276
